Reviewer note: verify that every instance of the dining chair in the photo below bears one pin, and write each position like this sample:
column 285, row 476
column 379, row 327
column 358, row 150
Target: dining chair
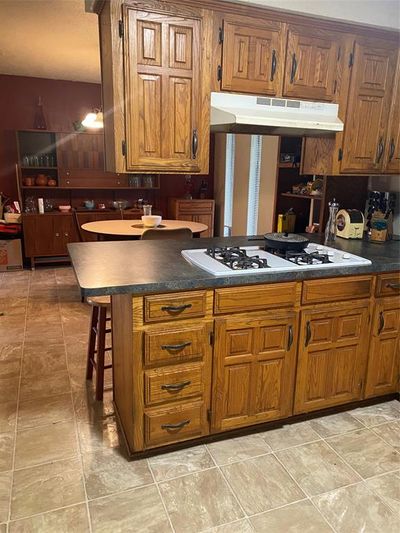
column 158, row 234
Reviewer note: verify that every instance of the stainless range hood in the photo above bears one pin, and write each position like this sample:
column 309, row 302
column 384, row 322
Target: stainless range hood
column 239, row 113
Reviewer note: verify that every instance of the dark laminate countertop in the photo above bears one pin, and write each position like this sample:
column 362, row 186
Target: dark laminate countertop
column 142, row 267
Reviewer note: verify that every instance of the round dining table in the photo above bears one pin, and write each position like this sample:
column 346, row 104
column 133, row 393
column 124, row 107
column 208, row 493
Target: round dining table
column 133, row 229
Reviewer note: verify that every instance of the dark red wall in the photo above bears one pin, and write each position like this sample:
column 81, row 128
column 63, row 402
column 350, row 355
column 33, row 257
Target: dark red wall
column 63, row 103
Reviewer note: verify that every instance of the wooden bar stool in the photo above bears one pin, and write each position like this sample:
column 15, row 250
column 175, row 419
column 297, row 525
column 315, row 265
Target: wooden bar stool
column 98, row 330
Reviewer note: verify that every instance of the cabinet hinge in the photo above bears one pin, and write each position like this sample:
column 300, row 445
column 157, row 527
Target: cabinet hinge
column 121, row 28
column 219, row 73
column 360, row 385
column 221, row 35
column 123, row 148
column 208, row 415
column 211, row 338
column 351, row 59
column 340, row 154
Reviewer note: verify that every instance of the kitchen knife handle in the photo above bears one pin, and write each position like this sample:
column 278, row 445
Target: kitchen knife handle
column 290, row 338
column 176, row 308
column 175, row 347
column 195, row 144
column 380, row 149
column 393, row 286
column 391, row 149
column 381, row 322
column 176, row 386
column 294, row 68
column 179, row 425
column 273, row 65
column 308, row 333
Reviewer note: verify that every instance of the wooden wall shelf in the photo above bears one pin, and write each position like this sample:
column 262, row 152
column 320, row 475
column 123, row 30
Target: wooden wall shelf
column 305, row 196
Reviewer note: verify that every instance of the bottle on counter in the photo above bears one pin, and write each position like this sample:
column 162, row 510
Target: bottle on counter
column 330, row 229
column 41, row 205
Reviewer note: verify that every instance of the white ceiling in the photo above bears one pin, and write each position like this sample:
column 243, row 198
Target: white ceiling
column 49, row 39
column 57, row 39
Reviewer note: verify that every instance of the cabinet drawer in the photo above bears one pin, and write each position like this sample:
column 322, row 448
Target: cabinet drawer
column 388, row 284
column 256, row 297
column 337, row 289
column 164, row 426
column 176, row 345
column 190, row 206
column 173, row 383
column 174, row 306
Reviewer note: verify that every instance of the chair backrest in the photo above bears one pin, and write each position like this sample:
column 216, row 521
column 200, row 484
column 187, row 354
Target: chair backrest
column 78, row 226
column 177, row 234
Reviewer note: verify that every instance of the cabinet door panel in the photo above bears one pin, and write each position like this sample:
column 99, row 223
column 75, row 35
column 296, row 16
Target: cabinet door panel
column 253, row 369
column 39, row 235
column 331, row 372
column 370, row 96
column 163, row 85
column 311, row 63
column 384, row 354
column 392, row 164
column 252, row 56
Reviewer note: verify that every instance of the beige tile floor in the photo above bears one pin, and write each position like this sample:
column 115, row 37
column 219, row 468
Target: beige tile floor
column 62, row 468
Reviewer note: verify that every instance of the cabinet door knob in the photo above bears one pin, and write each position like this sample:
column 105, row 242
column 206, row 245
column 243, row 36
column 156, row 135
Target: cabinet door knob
column 68, row 173
column 290, row 338
column 179, row 425
column 381, row 322
column 294, row 68
column 195, row 144
column 273, row 65
column 66, row 235
column 57, row 234
column 308, row 333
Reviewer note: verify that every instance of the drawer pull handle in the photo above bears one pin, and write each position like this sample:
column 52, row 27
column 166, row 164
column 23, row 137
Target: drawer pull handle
column 393, row 285
column 290, row 338
column 175, row 347
column 175, row 308
column 176, row 386
column 308, row 333
column 381, row 322
column 179, row 425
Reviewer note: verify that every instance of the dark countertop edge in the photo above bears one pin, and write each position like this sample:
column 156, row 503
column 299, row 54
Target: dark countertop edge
column 235, row 281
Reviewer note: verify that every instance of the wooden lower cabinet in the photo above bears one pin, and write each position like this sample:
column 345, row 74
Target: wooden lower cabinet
column 201, row 211
column 47, row 235
column 332, row 355
column 254, row 369
column 383, row 376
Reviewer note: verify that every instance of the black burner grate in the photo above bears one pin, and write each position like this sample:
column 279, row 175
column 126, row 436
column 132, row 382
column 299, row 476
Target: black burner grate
column 236, row 258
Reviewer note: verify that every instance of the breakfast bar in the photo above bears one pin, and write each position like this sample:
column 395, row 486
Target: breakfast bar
column 196, row 355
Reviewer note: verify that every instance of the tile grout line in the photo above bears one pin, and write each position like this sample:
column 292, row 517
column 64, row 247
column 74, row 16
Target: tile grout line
column 17, row 403
column 79, row 449
column 160, row 496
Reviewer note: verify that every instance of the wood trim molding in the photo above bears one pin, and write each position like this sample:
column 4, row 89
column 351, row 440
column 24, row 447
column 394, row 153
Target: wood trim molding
column 235, row 7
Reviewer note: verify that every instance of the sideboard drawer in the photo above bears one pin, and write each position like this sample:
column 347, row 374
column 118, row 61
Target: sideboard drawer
column 176, row 345
column 388, row 284
column 255, row 297
column 336, row 289
column 181, row 422
column 173, row 383
column 162, row 307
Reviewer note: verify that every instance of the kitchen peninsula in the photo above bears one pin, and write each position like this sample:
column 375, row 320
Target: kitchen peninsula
column 197, row 355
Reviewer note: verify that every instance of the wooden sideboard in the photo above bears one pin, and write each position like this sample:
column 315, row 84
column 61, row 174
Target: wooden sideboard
column 195, row 210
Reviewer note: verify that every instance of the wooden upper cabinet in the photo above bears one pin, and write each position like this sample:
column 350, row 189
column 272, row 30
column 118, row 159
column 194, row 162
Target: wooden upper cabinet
column 164, row 120
column 252, row 56
column 81, row 155
column 371, row 90
column 392, row 161
column 312, row 58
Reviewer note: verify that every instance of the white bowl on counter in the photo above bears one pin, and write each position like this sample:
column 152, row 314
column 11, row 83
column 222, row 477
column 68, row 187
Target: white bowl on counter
column 64, row 208
column 151, row 221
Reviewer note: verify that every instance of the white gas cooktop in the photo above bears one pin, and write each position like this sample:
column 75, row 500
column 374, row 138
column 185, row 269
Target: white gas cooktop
column 202, row 259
